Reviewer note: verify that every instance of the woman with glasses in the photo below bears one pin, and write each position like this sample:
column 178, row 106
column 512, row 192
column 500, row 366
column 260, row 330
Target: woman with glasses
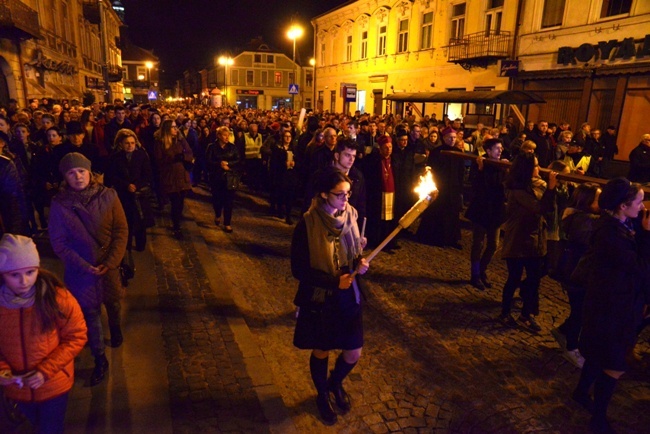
column 284, row 178
column 325, row 252
column 170, row 151
column 222, row 161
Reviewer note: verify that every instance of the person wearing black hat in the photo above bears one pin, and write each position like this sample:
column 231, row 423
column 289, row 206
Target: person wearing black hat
column 616, row 275
column 76, row 142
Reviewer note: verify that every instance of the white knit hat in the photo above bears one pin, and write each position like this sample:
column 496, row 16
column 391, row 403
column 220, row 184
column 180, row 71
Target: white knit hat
column 17, row 252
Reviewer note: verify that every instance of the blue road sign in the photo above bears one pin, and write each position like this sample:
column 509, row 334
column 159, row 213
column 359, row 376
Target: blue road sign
column 293, row 89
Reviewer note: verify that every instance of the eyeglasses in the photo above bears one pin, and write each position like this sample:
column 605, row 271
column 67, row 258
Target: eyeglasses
column 342, row 195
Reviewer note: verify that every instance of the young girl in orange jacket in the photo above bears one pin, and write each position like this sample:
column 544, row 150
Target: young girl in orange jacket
column 42, row 330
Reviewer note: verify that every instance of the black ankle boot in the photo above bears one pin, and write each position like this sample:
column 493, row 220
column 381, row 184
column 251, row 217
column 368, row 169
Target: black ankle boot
column 327, row 415
column 341, row 397
column 101, row 366
column 116, row 336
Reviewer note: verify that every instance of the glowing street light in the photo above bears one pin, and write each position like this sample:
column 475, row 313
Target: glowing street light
column 312, row 61
column 148, row 64
column 225, row 61
column 294, row 32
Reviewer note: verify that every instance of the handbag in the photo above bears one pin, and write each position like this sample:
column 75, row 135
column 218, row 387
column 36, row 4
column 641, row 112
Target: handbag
column 232, row 180
column 188, row 165
column 127, row 268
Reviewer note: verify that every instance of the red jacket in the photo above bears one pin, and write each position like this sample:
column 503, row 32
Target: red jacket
column 24, row 348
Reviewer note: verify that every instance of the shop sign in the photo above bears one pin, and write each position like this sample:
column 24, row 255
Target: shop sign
column 508, row 68
column 349, row 92
column 94, row 83
column 250, row 92
column 605, row 51
column 40, row 61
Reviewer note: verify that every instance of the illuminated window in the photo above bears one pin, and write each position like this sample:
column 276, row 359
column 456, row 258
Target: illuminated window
column 457, row 21
column 403, row 37
column 427, row 31
column 381, row 41
column 278, row 79
column 364, row 45
column 348, row 49
column 553, row 13
column 309, row 78
column 615, row 7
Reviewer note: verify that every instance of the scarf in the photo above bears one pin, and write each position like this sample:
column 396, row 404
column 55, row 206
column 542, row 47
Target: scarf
column 10, row 300
column 333, row 239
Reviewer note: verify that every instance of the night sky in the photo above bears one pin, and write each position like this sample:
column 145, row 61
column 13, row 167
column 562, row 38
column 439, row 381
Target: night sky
column 189, row 33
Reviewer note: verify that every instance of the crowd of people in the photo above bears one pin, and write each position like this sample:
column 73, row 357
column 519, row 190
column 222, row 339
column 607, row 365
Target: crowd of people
column 90, row 177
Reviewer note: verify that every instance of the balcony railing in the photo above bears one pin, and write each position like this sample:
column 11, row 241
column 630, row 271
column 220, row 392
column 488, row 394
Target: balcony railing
column 479, row 49
column 18, row 21
column 91, row 11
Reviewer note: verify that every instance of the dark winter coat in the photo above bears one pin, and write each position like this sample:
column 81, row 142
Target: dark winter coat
column 616, row 266
column 488, row 205
column 525, row 226
column 12, row 199
column 215, row 154
column 173, row 176
column 72, row 215
column 640, row 164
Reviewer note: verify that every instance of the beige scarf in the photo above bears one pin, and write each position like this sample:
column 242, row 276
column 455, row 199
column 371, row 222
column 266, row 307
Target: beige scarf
column 333, row 239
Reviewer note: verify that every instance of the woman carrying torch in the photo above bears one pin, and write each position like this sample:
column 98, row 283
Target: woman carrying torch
column 325, row 251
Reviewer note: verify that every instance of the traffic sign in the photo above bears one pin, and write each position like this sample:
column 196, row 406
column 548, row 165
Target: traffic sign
column 153, row 94
column 293, row 89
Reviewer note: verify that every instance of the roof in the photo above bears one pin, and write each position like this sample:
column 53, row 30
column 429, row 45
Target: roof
column 458, row 96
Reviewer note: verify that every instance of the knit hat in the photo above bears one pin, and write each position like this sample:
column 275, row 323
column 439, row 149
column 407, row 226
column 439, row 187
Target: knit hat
column 17, row 252
column 614, row 193
column 275, row 126
column 383, row 140
column 72, row 161
column 448, row 130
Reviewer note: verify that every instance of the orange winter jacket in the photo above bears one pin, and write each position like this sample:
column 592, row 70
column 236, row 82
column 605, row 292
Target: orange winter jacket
column 24, row 348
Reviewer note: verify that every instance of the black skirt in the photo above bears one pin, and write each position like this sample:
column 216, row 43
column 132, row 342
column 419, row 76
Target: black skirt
column 334, row 325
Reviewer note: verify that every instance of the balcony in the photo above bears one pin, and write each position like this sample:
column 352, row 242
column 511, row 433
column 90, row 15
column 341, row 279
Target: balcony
column 18, row 21
column 479, row 49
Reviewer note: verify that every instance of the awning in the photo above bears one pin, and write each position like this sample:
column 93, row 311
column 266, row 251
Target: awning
column 480, row 97
column 34, row 89
column 554, row 74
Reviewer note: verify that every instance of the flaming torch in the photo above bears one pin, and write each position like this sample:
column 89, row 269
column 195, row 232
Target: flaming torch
column 428, row 192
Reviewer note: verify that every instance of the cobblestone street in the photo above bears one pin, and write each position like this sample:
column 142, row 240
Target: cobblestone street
column 435, row 359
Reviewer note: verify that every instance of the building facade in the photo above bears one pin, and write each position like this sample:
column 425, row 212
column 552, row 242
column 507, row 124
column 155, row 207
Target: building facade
column 52, row 49
column 140, row 74
column 261, row 77
column 590, row 60
column 373, row 48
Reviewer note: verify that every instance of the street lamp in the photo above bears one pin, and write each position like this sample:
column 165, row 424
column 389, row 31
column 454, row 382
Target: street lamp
column 225, row 61
column 148, row 64
column 294, row 32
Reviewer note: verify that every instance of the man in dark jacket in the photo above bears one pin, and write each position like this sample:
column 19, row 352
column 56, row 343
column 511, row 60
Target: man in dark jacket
column 117, row 123
column 640, row 161
column 12, row 199
column 544, row 142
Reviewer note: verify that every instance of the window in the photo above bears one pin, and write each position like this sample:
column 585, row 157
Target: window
column 291, row 78
column 381, row 41
column 141, row 73
column 322, row 54
column 309, row 78
column 270, row 58
column 458, row 21
column 278, row 79
column 257, row 58
column 615, row 7
column 249, row 77
column 403, row 37
column 234, row 77
column 65, row 24
column 364, row 45
column 427, row 31
column 348, row 49
column 493, row 17
column 307, row 103
column 553, row 13
column 320, row 97
column 265, row 78
column 332, row 101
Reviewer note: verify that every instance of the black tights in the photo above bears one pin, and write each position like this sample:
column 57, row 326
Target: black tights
column 177, row 201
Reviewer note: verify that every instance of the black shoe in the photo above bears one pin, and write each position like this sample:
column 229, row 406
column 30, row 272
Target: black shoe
column 508, row 321
column 116, row 336
column 485, row 280
column 584, row 400
column 341, row 397
column 99, row 372
column 327, row 415
column 530, row 323
column 600, row 425
column 476, row 282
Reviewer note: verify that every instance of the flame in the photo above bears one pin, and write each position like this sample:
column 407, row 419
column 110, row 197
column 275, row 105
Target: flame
column 426, row 185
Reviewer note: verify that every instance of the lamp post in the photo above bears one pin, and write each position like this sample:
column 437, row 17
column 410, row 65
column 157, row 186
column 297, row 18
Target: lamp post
column 225, row 61
column 312, row 62
column 148, row 64
column 294, row 32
